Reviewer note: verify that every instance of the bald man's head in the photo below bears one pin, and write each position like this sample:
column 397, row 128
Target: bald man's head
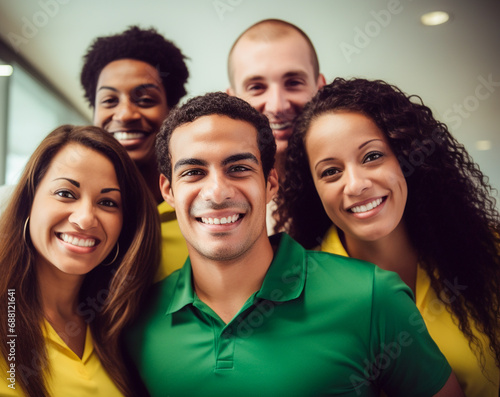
column 272, row 30
column 274, row 67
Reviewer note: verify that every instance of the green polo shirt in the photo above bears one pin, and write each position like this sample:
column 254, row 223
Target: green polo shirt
column 321, row 324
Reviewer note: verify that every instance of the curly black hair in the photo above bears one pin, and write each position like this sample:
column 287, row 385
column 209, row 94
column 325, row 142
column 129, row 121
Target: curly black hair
column 145, row 45
column 221, row 104
column 450, row 214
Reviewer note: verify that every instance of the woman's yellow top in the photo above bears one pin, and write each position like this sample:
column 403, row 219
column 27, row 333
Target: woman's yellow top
column 444, row 330
column 69, row 376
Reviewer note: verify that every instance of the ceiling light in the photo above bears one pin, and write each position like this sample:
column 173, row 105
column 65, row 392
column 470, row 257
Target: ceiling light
column 435, row 18
column 6, row 70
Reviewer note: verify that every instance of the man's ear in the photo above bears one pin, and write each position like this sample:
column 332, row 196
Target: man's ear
column 321, row 81
column 166, row 190
column 272, row 185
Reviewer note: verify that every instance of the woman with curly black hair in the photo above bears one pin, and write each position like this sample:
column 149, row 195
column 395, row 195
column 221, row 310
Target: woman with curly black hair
column 372, row 175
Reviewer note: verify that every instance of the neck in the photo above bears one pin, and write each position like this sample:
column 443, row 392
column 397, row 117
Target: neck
column 59, row 291
column 59, row 299
column 393, row 252
column 150, row 173
column 225, row 286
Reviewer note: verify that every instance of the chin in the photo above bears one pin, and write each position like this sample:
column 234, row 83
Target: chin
column 281, row 146
column 141, row 157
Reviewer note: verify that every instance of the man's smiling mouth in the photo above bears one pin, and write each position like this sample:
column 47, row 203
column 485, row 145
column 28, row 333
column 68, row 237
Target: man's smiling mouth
column 281, row 126
column 220, row 221
column 124, row 136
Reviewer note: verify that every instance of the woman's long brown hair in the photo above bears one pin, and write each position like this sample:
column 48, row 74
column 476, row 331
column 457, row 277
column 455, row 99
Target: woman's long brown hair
column 115, row 289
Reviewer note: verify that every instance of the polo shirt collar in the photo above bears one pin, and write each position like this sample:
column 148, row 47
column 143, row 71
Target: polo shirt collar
column 286, row 276
column 183, row 293
column 53, row 337
column 284, row 281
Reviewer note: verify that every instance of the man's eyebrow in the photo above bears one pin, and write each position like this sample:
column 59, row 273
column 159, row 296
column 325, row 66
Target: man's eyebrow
column 287, row 75
column 240, row 156
column 139, row 87
column 146, row 86
column 231, row 159
column 105, row 87
column 253, row 79
column 189, row 161
column 295, row 73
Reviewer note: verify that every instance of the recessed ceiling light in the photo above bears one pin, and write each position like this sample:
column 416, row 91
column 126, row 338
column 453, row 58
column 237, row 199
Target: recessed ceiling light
column 483, row 145
column 6, row 70
column 435, row 18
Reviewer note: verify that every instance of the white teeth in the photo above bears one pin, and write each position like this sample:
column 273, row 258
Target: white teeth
column 280, row 126
column 123, row 136
column 79, row 242
column 220, row 221
column 367, row 207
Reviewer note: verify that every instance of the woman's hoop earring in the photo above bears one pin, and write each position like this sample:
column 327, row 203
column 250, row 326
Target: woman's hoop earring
column 24, row 230
column 116, row 255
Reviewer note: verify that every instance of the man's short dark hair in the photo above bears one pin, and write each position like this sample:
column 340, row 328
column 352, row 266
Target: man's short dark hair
column 218, row 103
column 145, row 45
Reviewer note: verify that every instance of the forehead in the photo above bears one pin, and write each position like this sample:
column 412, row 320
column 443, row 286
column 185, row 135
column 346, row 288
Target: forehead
column 352, row 127
column 128, row 72
column 77, row 159
column 213, row 137
column 267, row 58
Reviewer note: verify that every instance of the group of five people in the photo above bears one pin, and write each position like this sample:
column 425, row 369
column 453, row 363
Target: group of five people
column 355, row 167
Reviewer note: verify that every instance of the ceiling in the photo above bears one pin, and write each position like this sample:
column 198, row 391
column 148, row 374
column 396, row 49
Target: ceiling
column 454, row 67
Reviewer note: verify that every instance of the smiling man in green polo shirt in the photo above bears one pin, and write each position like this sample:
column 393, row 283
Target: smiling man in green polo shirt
column 250, row 315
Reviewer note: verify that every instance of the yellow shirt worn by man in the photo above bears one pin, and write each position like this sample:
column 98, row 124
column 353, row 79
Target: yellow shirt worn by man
column 70, row 375
column 450, row 340
column 173, row 246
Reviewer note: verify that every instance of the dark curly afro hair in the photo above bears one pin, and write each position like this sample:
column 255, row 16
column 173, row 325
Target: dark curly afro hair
column 145, row 45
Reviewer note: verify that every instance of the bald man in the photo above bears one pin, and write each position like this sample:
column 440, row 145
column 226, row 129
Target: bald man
column 273, row 66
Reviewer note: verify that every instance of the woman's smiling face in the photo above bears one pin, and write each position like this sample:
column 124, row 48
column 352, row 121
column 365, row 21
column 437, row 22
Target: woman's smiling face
column 356, row 174
column 76, row 217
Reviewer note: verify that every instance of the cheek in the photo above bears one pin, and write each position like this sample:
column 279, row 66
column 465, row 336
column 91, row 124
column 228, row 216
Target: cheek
column 154, row 118
column 329, row 199
column 397, row 184
column 184, row 201
column 118, row 225
column 255, row 102
column 305, row 96
column 397, row 181
column 112, row 226
column 41, row 224
column 39, row 215
column 100, row 115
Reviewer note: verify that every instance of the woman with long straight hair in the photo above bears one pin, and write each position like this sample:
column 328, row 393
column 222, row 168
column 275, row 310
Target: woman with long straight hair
column 79, row 243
